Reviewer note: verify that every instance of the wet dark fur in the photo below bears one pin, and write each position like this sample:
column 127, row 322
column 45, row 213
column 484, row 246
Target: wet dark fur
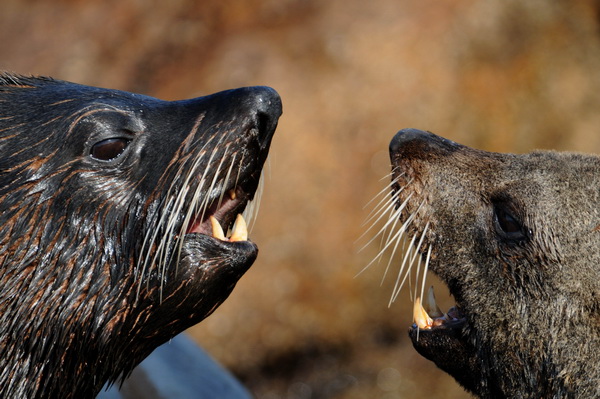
column 91, row 277
column 516, row 239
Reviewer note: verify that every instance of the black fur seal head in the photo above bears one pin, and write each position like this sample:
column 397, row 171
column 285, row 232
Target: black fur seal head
column 111, row 210
column 516, row 238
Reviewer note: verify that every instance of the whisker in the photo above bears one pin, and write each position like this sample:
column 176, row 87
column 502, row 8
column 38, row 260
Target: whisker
column 223, row 185
column 153, row 233
column 399, row 284
column 166, row 208
column 384, row 191
column 202, row 207
column 382, row 230
column 267, row 167
column 396, row 236
column 165, row 223
column 380, row 208
column 382, row 251
column 417, row 255
column 237, row 177
column 164, row 253
column 385, row 236
column 386, row 176
column 250, row 214
column 400, row 238
column 387, row 189
column 425, row 268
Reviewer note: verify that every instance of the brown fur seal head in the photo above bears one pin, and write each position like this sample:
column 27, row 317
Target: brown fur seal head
column 516, row 239
column 111, row 206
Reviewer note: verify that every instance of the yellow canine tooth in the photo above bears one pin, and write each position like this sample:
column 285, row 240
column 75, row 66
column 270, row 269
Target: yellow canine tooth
column 420, row 316
column 217, row 230
column 431, row 306
column 232, row 194
column 240, row 230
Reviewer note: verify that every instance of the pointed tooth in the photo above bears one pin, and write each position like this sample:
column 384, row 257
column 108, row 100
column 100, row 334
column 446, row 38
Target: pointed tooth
column 240, row 230
column 420, row 316
column 430, row 306
column 217, row 230
column 232, row 194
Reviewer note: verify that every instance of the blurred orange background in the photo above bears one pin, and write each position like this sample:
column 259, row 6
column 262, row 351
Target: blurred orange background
column 506, row 76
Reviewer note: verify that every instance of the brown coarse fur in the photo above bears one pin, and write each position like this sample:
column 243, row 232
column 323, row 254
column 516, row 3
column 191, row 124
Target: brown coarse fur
column 515, row 238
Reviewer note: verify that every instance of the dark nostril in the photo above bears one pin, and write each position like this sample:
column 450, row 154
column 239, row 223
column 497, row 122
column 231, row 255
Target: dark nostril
column 264, row 124
column 267, row 105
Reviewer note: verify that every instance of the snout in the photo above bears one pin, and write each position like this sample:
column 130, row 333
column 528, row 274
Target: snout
column 265, row 103
column 414, row 143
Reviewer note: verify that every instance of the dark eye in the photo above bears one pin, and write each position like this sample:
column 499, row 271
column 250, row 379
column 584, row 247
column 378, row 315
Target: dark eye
column 508, row 225
column 507, row 222
column 108, row 149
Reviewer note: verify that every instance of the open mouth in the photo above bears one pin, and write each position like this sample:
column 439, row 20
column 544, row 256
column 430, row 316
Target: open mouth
column 428, row 315
column 223, row 219
column 223, row 216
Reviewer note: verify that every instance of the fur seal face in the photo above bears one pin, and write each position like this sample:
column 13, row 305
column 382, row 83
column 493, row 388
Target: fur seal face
column 112, row 211
column 515, row 238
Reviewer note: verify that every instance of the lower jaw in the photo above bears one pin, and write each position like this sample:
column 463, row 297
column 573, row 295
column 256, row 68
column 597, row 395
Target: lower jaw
column 450, row 348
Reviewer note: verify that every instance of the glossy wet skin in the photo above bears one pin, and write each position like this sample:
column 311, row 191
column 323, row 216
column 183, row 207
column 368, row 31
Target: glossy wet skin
column 106, row 245
column 515, row 239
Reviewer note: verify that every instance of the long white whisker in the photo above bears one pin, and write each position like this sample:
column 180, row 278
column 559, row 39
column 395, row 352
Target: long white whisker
column 385, row 191
column 156, row 249
column 390, row 221
column 237, row 177
column 391, row 257
column 202, row 207
column 398, row 286
column 251, row 211
column 385, row 199
column 425, row 268
column 380, row 208
column 417, row 254
column 401, row 274
column 387, row 176
column 387, row 237
column 226, row 179
column 390, row 242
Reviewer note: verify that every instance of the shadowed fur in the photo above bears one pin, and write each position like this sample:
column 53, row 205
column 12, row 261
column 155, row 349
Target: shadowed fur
column 105, row 249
